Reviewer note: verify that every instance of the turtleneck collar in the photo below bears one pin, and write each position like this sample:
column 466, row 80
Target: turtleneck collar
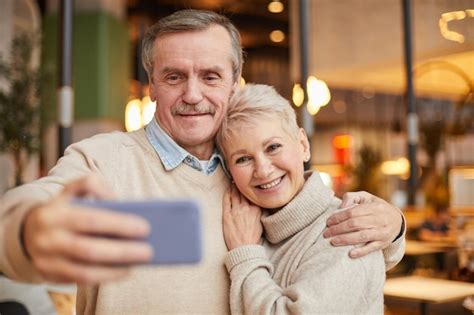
column 301, row 211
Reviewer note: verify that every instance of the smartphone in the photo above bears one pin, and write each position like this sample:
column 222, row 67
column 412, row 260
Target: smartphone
column 175, row 226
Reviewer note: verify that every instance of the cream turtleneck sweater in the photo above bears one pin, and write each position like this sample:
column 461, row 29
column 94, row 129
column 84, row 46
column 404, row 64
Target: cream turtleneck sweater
column 297, row 271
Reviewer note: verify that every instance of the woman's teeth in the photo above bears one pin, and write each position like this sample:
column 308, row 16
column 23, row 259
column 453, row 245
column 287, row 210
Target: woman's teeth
column 271, row 184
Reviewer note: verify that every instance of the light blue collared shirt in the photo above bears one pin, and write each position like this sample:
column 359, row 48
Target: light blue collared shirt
column 172, row 155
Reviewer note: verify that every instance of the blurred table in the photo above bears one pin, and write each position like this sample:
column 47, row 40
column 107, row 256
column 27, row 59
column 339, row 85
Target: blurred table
column 427, row 290
column 422, row 248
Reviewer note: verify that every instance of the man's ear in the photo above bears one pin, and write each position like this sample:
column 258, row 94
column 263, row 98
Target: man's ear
column 303, row 140
column 152, row 90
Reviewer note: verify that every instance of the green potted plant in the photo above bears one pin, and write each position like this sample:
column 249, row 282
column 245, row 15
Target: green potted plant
column 19, row 103
column 366, row 172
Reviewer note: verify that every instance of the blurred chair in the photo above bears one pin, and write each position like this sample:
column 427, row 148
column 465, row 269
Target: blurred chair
column 13, row 308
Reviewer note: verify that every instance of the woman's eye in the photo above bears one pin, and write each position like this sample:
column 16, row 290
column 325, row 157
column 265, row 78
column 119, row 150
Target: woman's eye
column 242, row 160
column 273, row 147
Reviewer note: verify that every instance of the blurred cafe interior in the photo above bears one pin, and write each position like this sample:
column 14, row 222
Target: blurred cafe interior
column 384, row 89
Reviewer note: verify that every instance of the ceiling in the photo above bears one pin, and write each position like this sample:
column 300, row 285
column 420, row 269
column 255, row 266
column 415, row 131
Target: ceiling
column 449, row 76
column 437, row 76
column 251, row 17
column 434, row 79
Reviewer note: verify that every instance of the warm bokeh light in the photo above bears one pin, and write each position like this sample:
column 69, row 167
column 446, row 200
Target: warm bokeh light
column 139, row 113
column 453, row 16
column 339, row 106
column 333, row 170
column 318, row 94
column 399, row 166
column 242, row 82
column 133, row 117
column 148, row 110
column 275, row 6
column 312, row 108
column 342, row 141
column 277, row 36
column 326, row 179
column 297, row 95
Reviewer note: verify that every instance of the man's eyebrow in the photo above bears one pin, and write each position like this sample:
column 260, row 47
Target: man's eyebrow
column 216, row 69
column 169, row 69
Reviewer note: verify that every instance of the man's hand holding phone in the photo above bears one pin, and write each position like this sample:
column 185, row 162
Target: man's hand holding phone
column 72, row 242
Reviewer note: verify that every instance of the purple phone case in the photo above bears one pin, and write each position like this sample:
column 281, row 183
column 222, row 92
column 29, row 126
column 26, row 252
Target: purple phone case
column 175, row 226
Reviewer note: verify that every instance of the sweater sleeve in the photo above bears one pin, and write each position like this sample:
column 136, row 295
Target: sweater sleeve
column 324, row 282
column 16, row 203
column 393, row 253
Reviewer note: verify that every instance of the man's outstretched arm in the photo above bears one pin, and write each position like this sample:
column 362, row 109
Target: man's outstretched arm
column 373, row 223
column 56, row 241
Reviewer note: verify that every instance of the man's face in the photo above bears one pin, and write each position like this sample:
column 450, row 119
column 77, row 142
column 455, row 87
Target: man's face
column 192, row 82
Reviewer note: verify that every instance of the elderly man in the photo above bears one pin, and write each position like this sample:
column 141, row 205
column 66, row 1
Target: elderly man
column 194, row 61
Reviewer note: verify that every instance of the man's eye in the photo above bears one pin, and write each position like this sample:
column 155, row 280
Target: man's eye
column 211, row 78
column 173, row 78
column 242, row 159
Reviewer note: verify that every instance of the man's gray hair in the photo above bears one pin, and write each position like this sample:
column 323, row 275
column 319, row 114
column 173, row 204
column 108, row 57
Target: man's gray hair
column 252, row 104
column 191, row 20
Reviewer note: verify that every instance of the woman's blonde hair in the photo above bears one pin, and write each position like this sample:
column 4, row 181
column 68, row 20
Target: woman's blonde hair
column 250, row 105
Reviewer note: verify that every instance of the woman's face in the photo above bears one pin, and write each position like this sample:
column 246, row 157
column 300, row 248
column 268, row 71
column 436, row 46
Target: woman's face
column 266, row 163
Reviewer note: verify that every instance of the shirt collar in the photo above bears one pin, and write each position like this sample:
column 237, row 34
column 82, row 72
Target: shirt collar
column 172, row 155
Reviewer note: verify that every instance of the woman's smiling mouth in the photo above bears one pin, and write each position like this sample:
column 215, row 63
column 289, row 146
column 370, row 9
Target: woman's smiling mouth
column 271, row 184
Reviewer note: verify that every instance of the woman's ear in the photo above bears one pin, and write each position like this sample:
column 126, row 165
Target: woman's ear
column 305, row 147
column 235, row 86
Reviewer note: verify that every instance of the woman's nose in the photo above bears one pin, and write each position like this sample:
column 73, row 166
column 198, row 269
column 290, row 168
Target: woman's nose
column 263, row 168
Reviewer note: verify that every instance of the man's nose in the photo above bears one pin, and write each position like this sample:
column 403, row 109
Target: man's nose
column 263, row 168
column 192, row 93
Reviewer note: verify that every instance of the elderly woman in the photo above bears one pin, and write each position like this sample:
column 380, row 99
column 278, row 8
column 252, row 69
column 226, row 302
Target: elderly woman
column 294, row 269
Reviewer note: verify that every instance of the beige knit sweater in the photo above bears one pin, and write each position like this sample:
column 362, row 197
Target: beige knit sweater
column 297, row 271
column 133, row 169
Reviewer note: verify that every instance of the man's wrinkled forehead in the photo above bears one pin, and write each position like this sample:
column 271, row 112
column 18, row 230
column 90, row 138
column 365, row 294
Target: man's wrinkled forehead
column 212, row 43
column 205, row 40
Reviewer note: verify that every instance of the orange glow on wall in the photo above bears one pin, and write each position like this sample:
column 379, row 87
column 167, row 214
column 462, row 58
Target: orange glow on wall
column 342, row 148
column 342, row 141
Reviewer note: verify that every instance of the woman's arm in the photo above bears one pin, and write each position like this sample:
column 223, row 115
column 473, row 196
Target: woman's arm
column 322, row 282
column 313, row 276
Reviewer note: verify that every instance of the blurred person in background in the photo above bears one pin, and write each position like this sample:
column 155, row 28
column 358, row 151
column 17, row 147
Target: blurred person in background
column 437, row 227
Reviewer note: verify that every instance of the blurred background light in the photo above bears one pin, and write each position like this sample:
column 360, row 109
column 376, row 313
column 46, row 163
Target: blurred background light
column 318, row 94
column 275, row 6
column 399, row 166
column 242, row 82
column 297, row 95
column 138, row 113
column 277, row 36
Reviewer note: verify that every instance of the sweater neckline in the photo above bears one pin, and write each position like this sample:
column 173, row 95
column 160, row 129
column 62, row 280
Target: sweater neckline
column 197, row 177
column 312, row 201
